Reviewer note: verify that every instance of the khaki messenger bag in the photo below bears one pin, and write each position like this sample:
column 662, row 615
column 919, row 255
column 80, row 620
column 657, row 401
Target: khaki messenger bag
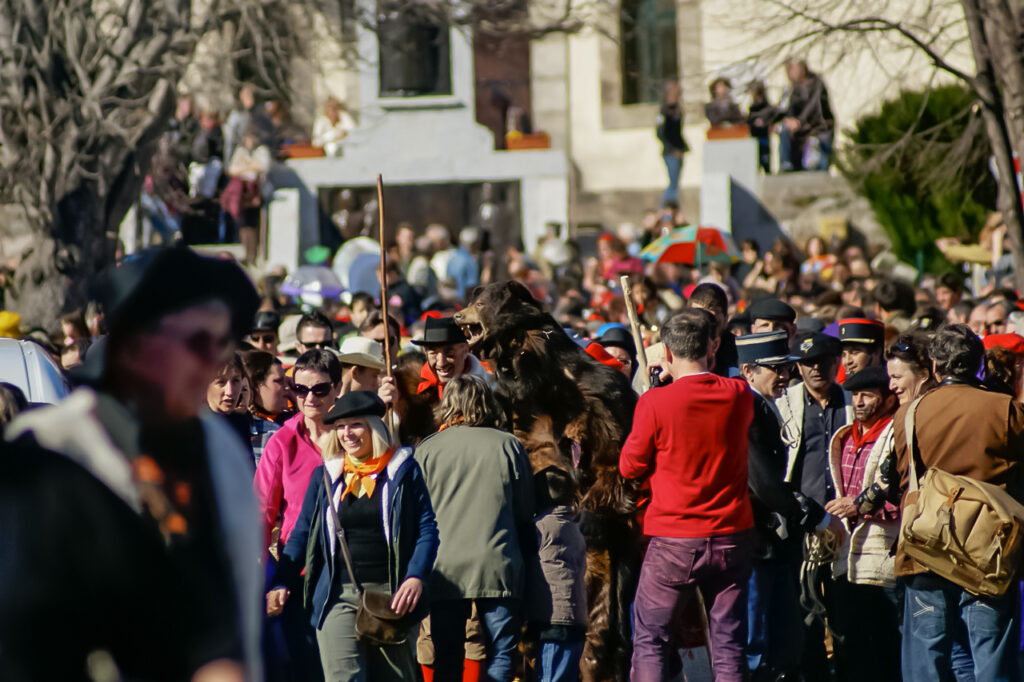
column 959, row 528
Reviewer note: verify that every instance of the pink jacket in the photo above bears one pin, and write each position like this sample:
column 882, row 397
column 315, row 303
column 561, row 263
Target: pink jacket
column 283, row 474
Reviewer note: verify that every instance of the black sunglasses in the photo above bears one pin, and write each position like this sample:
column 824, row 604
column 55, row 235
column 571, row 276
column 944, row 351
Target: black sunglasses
column 263, row 338
column 320, row 390
column 319, row 345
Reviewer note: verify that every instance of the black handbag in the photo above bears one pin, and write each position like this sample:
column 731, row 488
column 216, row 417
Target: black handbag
column 376, row 622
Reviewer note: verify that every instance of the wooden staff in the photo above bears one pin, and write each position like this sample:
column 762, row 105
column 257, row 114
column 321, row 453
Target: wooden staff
column 388, row 372
column 638, row 339
column 384, row 277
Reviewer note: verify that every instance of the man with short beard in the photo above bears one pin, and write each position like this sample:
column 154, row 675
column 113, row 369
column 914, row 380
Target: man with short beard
column 812, row 412
column 773, row 646
column 864, row 611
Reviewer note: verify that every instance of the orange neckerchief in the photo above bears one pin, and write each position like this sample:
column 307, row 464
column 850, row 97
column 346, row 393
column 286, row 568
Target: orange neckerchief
column 429, row 380
column 364, row 476
column 455, row 422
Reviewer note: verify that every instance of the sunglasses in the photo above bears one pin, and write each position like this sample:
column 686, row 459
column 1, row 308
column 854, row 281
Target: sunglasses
column 319, row 391
column 263, row 338
column 319, row 345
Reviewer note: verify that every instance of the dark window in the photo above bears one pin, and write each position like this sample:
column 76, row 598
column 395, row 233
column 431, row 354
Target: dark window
column 414, row 57
column 649, row 47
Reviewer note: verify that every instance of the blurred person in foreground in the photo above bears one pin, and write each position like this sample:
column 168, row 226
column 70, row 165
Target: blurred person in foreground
column 142, row 541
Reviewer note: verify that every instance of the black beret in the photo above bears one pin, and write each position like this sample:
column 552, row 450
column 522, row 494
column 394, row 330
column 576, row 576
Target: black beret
column 771, row 309
column 867, row 379
column 356, row 404
column 814, row 345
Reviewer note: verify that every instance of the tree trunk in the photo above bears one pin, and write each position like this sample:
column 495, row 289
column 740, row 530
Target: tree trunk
column 65, row 261
column 997, row 125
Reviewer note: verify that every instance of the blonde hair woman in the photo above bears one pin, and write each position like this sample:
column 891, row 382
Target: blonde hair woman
column 384, row 508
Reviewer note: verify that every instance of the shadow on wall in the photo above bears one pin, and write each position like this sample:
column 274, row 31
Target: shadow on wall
column 750, row 219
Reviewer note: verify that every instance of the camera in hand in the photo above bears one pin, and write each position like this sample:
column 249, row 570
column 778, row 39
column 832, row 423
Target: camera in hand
column 658, row 378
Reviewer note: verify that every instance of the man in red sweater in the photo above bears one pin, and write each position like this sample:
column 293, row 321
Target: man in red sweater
column 690, row 438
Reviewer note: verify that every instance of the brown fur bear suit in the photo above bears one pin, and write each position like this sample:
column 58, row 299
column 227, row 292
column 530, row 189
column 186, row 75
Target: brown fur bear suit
column 572, row 412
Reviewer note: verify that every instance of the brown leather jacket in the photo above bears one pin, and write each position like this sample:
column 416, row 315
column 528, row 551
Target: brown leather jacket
column 967, row 431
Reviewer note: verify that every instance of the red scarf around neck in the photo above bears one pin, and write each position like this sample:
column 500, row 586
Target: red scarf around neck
column 429, row 380
column 862, row 437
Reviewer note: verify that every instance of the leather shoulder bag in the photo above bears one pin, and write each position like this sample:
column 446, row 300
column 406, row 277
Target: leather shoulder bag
column 962, row 529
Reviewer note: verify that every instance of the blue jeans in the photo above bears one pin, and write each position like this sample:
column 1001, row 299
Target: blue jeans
column 791, row 150
column 560, row 661
column 674, row 165
column 775, row 633
column 935, row 609
column 501, row 623
column 672, row 571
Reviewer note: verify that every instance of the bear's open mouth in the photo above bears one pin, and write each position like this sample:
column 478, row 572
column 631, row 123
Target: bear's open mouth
column 473, row 331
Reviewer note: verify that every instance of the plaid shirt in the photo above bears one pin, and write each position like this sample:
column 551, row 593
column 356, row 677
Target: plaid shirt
column 261, row 430
column 852, row 465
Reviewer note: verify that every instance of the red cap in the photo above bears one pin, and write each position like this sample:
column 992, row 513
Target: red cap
column 597, row 351
column 1011, row 342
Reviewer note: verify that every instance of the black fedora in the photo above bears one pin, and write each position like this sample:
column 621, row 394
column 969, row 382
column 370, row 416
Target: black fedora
column 441, row 331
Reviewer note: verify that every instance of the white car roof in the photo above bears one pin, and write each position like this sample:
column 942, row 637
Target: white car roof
column 30, row 368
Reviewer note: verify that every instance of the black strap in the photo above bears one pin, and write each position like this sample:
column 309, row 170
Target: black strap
column 338, row 530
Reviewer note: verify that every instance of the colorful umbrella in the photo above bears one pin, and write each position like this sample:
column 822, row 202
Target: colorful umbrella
column 693, row 245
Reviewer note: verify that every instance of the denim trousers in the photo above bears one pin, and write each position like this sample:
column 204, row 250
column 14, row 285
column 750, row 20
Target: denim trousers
column 672, row 572
column 791, row 150
column 936, row 609
column 674, row 166
column 501, row 621
column 559, row 661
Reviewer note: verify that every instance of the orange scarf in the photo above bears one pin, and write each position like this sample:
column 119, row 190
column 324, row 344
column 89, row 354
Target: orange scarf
column 364, row 475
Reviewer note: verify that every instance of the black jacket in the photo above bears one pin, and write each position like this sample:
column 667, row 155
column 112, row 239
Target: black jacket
column 81, row 571
column 770, row 495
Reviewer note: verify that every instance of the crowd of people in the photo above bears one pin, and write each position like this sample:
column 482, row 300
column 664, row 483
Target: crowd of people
column 209, row 178
column 239, row 475
column 803, row 121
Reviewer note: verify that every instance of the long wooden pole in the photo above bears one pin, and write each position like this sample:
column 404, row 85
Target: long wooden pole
column 638, row 339
column 384, row 277
column 388, row 370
